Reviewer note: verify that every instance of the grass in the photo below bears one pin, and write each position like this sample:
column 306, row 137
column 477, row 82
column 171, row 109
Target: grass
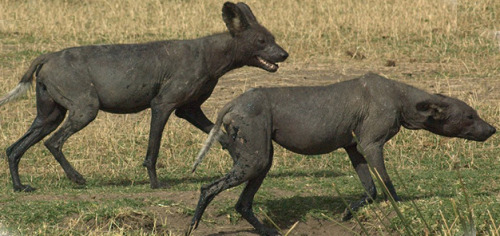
column 441, row 46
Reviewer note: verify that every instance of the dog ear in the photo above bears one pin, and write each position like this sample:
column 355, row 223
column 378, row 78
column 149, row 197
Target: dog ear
column 235, row 18
column 433, row 109
column 247, row 12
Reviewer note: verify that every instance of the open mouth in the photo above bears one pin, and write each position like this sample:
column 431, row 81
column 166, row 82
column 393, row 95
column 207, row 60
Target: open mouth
column 267, row 65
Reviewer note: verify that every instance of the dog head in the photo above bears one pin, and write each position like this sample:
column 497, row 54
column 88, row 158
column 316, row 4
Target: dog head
column 453, row 118
column 255, row 45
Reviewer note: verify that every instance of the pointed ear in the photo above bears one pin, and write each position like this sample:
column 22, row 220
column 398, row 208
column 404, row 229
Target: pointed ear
column 433, row 109
column 247, row 12
column 235, row 17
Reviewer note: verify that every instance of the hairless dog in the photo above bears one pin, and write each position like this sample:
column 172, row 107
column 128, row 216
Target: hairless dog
column 321, row 119
column 127, row 78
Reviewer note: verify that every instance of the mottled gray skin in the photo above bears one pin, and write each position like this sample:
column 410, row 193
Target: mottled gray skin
column 318, row 120
column 127, row 78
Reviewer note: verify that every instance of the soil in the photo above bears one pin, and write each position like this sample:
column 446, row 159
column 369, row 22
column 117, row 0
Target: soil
column 427, row 76
column 172, row 218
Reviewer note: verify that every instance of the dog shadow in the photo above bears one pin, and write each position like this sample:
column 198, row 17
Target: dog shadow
column 281, row 174
column 234, row 232
column 286, row 211
column 166, row 182
column 305, row 173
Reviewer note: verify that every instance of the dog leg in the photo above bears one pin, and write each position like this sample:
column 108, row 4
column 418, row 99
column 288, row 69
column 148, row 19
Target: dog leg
column 375, row 156
column 245, row 202
column 77, row 119
column 159, row 117
column 49, row 116
column 361, row 166
column 235, row 177
column 251, row 149
column 195, row 116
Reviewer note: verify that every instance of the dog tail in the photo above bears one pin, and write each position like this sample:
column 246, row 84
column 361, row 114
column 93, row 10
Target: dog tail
column 214, row 134
column 25, row 84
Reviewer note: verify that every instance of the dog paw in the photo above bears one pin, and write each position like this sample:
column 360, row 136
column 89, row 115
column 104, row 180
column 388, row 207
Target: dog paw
column 77, row 178
column 24, row 188
column 347, row 215
column 395, row 197
column 189, row 230
column 157, row 185
column 154, row 185
column 268, row 232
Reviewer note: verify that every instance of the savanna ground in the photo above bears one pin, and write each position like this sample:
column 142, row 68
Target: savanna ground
column 444, row 46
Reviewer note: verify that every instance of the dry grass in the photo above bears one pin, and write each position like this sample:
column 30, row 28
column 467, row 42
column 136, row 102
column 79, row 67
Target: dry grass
column 378, row 29
column 444, row 46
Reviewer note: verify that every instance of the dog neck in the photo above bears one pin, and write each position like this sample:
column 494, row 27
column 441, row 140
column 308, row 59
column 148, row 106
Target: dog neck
column 410, row 97
column 219, row 52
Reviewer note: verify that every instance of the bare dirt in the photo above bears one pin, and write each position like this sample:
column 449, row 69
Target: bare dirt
column 427, row 76
column 172, row 218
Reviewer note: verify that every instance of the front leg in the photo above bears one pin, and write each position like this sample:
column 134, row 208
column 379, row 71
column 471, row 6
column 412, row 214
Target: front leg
column 361, row 166
column 194, row 115
column 361, row 157
column 374, row 155
column 159, row 116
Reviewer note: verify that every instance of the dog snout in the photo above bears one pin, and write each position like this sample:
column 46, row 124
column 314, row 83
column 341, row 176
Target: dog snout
column 487, row 132
column 279, row 53
column 284, row 55
column 492, row 130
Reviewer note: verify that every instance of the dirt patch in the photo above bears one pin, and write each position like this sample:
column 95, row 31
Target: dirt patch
column 109, row 196
column 430, row 77
column 174, row 218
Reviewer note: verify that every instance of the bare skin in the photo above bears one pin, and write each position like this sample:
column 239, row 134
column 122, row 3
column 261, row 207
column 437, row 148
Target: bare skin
column 321, row 119
column 165, row 76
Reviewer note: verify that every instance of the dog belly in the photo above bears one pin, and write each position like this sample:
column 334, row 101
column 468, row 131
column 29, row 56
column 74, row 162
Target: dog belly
column 118, row 95
column 124, row 109
column 124, row 102
column 311, row 143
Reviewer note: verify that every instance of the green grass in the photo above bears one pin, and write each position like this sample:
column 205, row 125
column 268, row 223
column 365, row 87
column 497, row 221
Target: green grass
column 292, row 192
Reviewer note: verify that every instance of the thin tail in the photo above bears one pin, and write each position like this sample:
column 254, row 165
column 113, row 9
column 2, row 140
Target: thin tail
column 25, row 84
column 214, row 134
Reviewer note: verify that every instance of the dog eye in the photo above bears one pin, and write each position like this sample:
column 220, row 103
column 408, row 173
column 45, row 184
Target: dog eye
column 470, row 117
column 261, row 41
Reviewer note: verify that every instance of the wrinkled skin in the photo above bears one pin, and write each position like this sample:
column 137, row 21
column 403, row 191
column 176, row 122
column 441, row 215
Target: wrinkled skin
column 166, row 76
column 321, row 119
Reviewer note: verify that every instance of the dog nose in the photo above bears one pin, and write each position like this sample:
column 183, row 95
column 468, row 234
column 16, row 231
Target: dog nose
column 492, row 130
column 284, row 55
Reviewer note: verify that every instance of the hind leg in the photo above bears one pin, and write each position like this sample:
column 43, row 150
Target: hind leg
column 245, row 202
column 234, row 178
column 76, row 120
column 80, row 98
column 49, row 116
column 251, row 149
column 238, row 175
